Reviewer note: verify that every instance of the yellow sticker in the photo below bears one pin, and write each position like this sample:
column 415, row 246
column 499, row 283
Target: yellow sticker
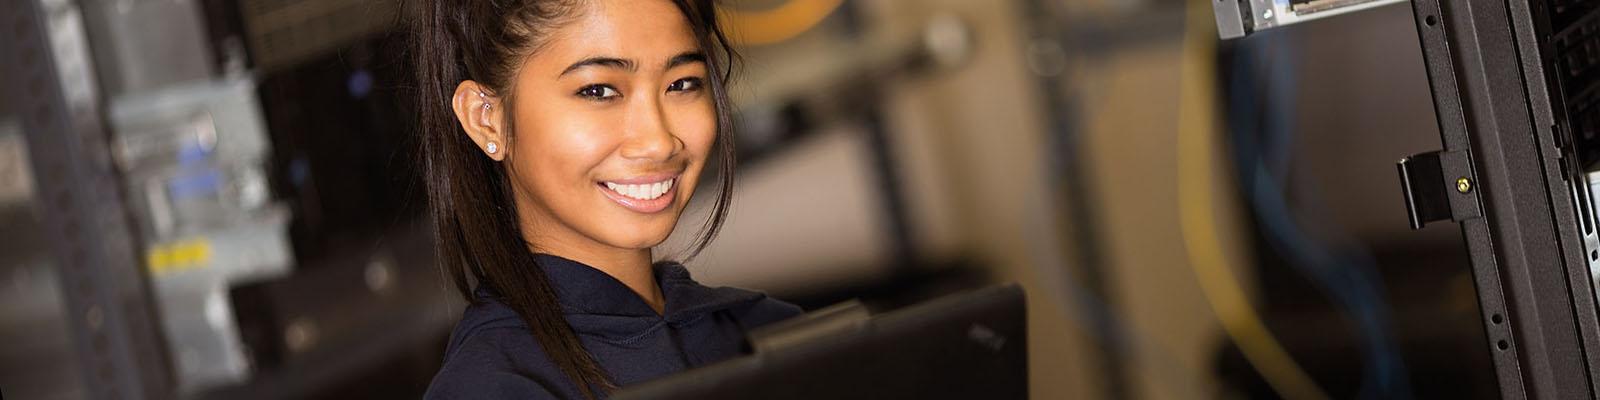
column 179, row 256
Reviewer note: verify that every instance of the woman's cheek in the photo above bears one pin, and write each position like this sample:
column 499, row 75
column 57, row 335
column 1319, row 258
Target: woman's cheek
column 582, row 142
column 702, row 131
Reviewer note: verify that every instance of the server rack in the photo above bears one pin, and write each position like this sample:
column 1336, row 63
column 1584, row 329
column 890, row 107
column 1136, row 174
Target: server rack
column 112, row 314
column 1509, row 80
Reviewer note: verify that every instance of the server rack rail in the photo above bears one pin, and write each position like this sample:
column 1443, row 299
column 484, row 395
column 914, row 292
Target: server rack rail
column 1513, row 83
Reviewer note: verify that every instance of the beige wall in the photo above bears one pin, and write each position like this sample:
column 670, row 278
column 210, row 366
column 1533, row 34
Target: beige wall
column 971, row 145
column 984, row 128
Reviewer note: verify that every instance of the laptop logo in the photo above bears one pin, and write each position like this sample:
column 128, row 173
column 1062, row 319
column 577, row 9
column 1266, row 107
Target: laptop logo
column 986, row 337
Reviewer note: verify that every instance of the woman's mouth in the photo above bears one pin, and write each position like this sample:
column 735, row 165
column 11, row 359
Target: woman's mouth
column 641, row 197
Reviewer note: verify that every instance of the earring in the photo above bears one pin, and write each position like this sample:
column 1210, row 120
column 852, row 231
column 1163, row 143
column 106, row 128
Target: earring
column 490, row 147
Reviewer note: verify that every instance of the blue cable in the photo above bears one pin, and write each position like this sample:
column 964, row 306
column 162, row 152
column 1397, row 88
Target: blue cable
column 1349, row 280
column 1356, row 265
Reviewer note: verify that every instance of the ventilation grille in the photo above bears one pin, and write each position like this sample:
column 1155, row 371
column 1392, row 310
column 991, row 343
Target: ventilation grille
column 285, row 32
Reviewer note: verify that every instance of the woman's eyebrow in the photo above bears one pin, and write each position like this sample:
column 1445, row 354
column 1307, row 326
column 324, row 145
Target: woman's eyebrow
column 611, row 62
column 688, row 57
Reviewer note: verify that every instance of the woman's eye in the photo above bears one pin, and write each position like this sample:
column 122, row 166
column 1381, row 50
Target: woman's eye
column 685, row 85
column 598, row 92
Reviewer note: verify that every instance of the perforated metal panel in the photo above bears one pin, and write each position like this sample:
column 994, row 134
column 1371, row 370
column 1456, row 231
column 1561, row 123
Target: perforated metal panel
column 283, row 32
column 112, row 319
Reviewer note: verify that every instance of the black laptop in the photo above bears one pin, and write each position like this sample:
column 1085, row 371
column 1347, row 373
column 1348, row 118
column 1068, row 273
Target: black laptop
column 971, row 345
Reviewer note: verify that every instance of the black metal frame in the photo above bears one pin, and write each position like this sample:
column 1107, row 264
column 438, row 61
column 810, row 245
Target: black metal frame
column 1509, row 172
column 108, row 298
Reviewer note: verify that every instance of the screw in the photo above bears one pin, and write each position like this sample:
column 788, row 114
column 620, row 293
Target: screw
column 1463, row 185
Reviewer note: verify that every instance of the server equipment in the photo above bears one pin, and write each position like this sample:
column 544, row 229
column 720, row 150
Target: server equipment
column 1237, row 18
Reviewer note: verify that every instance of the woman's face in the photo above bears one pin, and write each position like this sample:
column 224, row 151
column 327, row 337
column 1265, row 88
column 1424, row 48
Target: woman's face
column 613, row 120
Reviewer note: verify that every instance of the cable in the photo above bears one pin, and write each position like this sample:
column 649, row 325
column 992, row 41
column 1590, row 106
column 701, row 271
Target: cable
column 1221, row 288
column 1348, row 277
column 778, row 24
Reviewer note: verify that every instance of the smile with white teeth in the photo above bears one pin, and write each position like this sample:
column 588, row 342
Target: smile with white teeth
column 648, row 191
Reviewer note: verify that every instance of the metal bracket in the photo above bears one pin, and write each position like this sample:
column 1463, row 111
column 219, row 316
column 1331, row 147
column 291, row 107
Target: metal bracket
column 1431, row 196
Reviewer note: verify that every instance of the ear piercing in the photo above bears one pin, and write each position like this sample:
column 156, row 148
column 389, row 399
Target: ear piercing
column 490, row 147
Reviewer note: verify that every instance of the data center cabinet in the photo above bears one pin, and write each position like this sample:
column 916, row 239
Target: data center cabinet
column 1516, row 87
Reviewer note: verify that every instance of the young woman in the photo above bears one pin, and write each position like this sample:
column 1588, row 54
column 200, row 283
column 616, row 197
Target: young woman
column 562, row 140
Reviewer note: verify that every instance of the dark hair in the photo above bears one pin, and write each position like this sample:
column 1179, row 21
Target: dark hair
column 470, row 195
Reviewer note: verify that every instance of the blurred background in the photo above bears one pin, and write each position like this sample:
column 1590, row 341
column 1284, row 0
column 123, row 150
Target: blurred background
column 218, row 200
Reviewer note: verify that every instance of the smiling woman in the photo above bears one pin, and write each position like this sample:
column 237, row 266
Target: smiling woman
column 562, row 141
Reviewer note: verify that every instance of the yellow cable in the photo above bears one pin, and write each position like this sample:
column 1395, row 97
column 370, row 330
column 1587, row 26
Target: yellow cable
column 1199, row 226
column 781, row 23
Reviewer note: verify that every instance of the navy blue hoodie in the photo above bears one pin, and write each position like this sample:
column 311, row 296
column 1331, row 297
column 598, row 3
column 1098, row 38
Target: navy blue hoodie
column 493, row 355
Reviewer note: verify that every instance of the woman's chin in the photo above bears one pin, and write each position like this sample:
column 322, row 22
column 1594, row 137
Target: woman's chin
column 639, row 237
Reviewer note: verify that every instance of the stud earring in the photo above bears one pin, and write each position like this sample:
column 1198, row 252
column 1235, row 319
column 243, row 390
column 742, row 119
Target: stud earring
column 492, row 148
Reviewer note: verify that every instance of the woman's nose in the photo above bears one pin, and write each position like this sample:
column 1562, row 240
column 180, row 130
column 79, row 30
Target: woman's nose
column 650, row 135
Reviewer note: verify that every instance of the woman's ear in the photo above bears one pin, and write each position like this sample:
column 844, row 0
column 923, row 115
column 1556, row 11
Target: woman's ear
column 478, row 111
